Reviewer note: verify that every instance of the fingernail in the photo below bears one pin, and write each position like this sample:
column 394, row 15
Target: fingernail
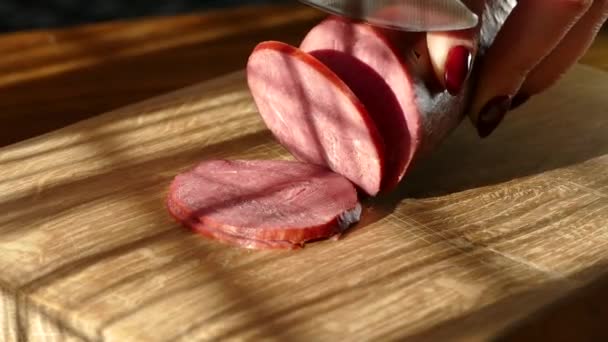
column 519, row 100
column 491, row 115
column 457, row 68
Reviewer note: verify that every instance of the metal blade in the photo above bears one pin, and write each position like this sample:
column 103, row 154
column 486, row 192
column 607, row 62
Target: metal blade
column 406, row 15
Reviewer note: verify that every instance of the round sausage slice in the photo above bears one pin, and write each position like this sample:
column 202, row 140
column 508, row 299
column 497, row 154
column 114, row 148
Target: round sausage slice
column 314, row 114
column 427, row 117
column 381, row 104
column 264, row 204
column 401, row 59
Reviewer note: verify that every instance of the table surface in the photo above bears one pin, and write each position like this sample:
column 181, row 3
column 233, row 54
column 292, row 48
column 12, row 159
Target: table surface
column 49, row 79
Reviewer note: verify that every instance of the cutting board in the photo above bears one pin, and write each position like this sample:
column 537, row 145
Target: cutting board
column 482, row 234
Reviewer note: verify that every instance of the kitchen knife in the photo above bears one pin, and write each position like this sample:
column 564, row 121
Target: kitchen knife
column 405, row 15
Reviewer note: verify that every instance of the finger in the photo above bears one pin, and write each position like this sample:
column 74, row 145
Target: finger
column 532, row 30
column 452, row 53
column 566, row 54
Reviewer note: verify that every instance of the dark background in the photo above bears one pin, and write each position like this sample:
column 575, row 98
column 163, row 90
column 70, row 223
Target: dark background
column 17, row 15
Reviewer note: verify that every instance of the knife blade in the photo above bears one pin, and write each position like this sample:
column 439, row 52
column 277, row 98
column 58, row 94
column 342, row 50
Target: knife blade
column 404, row 15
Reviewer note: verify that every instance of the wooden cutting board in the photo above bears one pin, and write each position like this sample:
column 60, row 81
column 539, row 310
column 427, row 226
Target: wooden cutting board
column 482, row 234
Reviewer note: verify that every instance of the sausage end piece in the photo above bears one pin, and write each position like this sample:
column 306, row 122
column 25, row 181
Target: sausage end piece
column 315, row 115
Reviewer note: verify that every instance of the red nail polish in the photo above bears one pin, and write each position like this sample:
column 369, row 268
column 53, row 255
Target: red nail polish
column 492, row 114
column 457, row 68
column 519, row 100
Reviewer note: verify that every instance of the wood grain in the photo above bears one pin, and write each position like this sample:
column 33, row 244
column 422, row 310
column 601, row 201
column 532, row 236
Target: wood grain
column 8, row 317
column 482, row 235
column 52, row 78
column 21, row 323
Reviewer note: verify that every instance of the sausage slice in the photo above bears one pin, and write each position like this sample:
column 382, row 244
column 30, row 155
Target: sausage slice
column 426, row 116
column 263, row 204
column 314, row 114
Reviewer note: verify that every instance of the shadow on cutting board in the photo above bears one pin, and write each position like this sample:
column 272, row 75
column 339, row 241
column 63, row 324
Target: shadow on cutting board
column 565, row 126
column 586, row 309
column 577, row 315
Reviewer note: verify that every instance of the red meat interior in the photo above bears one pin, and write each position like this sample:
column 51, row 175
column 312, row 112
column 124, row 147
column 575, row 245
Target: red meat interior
column 315, row 115
column 263, row 200
column 381, row 104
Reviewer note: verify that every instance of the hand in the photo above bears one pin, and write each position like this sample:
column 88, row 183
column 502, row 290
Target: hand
column 538, row 43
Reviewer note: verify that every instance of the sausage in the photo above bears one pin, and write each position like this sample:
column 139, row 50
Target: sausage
column 352, row 99
column 345, row 70
column 427, row 116
column 263, row 204
column 382, row 105
column 315, row 115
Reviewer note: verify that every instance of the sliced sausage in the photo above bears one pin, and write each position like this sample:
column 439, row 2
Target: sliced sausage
column 401, row 60
column 426, row 117
column 263, row 203
column 314, row 114
column 382, row 105
column 329, row 108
